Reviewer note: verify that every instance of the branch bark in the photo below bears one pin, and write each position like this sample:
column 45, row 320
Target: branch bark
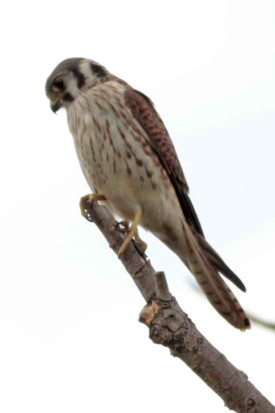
column 171, row 327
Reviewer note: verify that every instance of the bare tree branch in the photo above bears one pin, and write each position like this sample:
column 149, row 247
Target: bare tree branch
column 171, row 327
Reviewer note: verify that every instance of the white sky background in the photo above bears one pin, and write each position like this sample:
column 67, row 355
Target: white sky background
column 69, row 336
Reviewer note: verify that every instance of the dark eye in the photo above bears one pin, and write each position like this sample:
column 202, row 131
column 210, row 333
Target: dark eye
column 58, row 85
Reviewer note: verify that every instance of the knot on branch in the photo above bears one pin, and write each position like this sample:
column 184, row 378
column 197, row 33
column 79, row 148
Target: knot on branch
column 165, row 323
column 250, row 402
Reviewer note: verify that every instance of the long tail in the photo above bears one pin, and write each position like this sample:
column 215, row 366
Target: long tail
column 205, row 264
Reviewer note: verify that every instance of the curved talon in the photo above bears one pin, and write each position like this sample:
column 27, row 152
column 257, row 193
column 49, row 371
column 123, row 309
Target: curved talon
column 88, row 199
column 131, row 233
column 140, row 243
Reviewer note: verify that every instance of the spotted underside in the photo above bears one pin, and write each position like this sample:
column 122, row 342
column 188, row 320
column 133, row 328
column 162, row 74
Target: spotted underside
column 119, row 162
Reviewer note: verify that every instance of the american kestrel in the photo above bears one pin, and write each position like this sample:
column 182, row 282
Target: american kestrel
column 130, row 163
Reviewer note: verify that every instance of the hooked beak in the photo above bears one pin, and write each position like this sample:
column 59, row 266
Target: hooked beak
column 55, row 105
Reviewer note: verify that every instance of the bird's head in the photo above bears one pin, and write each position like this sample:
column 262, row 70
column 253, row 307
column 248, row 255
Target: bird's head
column 70, row 78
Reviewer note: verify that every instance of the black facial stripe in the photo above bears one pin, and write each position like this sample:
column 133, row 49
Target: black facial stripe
column 80, row 77
column 98, row 70
column 68, row 97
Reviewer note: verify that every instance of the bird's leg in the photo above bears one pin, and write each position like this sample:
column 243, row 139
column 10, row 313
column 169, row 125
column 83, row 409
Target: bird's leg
column 142, row 245
column 132, row 232
column 124, row 227
column 89, row 199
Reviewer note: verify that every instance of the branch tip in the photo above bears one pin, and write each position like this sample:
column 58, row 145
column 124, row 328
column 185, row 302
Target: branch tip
column 162, row 290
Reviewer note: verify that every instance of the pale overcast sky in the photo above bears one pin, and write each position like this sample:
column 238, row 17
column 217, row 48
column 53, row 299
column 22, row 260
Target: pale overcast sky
column 69, row 337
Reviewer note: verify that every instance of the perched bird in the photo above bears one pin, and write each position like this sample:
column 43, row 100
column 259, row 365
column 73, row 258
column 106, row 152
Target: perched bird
column 129, row 161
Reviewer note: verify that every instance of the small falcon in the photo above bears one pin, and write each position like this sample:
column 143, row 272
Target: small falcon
column 130, row 163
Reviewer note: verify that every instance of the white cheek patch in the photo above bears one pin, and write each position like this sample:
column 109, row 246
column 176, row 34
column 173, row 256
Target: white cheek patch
column 86, row 70
column 72, row 87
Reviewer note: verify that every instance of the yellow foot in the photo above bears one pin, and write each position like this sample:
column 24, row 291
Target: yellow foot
column 131, row 232
column 141, row 244
column 89, row 199
column 124, row 227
